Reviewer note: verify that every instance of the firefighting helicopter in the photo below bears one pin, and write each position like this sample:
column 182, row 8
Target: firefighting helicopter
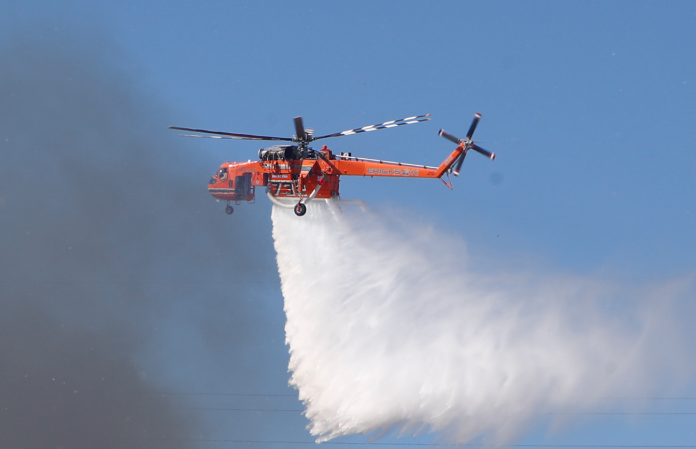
column 296, row 174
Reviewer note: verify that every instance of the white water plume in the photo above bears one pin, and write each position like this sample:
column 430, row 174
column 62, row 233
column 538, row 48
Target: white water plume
column 391, row 329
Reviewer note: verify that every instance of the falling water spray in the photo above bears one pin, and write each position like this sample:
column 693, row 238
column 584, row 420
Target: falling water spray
column 390, row 329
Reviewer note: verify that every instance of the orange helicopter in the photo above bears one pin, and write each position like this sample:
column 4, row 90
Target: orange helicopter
column 296, row 174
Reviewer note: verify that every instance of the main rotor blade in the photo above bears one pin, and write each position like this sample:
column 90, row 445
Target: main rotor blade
column 232, row 135
column 488, row 154
column 449, row 137
column 472, row 128
column 383, row 125
column 209, row 137
column 299, row 130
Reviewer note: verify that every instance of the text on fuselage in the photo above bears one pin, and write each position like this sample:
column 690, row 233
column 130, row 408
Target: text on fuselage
column 392, row 171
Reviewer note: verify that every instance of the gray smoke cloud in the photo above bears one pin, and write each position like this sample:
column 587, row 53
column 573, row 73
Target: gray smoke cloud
column 102, row 239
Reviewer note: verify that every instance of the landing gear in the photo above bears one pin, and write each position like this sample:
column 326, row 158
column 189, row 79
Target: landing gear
column 300, row 209
column 229, row 210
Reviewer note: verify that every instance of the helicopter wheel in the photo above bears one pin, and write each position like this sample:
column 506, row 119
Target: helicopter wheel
column 300, row 209
column 229, row 210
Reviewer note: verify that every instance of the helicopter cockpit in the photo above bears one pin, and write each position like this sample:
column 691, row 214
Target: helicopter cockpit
column 221, row 175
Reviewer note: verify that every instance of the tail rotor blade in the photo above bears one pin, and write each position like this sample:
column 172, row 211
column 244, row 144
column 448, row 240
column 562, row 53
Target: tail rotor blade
column 486, row 153
column 464, row 146
column 472, row 128
column 449, row 137
column 299, row 130
column 459, row 164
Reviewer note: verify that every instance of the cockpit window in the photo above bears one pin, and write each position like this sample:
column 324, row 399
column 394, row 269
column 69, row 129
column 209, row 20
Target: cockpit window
column 222, row 174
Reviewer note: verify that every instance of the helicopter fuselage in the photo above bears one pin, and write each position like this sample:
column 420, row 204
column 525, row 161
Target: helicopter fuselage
column 287, row 176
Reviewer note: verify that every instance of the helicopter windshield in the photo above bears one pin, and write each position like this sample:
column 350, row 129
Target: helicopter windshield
column 222, row 174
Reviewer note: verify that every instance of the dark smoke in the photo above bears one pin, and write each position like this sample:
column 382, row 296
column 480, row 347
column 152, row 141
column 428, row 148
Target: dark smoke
column 105, row 231
column 70, row 388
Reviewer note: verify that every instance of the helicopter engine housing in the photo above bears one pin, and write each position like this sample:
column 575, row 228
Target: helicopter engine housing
column 279, row 153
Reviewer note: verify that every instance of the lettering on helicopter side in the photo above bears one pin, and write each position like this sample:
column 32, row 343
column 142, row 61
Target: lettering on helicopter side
column 276, row 166
column 392, row 171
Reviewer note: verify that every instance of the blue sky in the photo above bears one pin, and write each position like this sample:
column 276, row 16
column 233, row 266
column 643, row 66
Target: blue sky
column 589, row 106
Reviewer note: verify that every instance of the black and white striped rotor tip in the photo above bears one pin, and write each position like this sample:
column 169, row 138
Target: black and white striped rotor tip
column 383, row 125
